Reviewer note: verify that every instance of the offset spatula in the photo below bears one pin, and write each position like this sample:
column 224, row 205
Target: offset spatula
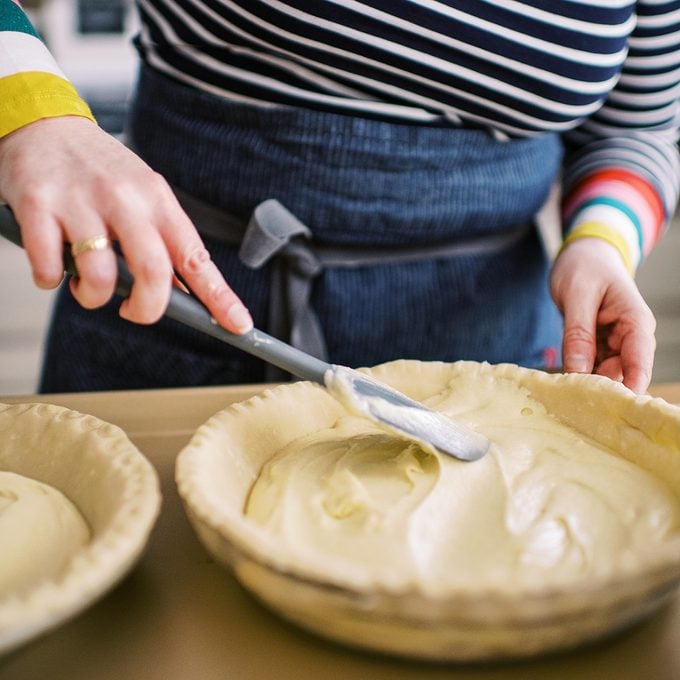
column 361, row 394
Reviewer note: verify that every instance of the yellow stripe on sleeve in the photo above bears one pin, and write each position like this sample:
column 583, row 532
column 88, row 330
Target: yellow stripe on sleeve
column 605, row 233
column 29, row 96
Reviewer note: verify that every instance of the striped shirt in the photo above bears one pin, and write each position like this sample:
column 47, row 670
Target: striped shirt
column 32, row 86
column 603, row 73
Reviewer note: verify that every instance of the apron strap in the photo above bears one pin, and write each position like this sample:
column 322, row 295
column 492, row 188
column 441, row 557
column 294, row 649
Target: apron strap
column 273, row 234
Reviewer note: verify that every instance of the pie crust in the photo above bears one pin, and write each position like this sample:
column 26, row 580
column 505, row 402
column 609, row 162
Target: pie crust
column 218, row 468
column 113, row 486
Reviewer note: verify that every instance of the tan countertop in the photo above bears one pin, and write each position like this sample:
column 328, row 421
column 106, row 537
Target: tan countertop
column 180, row 615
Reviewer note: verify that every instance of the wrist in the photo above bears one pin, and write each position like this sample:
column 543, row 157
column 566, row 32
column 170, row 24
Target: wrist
column 592, row 257
column 602, row 233
column 27, row 141
column 45, row 95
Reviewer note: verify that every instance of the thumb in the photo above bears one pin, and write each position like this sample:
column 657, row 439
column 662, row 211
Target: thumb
column 579, row 342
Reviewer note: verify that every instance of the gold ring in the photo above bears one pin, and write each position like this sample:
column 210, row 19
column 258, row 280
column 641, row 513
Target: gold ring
column 99, row 242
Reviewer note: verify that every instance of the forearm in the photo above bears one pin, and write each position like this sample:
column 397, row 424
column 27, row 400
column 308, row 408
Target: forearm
column 617, row 205
column 32, row 86
column 622, row 171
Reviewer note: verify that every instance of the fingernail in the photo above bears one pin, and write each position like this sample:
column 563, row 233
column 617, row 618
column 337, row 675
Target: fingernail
column 577, row 363
column 239, row 318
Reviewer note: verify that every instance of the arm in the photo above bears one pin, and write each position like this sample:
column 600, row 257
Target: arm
column 32, row 84
column 68, row 180
column 620, row 192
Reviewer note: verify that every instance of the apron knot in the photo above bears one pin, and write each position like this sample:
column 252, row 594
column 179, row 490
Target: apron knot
column 274, row 233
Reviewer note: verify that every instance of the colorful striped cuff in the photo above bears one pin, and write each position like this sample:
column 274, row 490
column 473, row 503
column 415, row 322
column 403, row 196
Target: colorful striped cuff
column 20, row 52
column 32, row 86
column 27, row 97
column 618, row 201
column 643, row 214
column 13, row 18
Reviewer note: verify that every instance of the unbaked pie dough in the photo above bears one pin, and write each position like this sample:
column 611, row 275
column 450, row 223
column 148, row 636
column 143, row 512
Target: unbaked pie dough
column 40, row 531
column 545, row 507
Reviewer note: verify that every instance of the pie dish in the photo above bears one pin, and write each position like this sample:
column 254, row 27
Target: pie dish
column 218, row 468
column 111, row 484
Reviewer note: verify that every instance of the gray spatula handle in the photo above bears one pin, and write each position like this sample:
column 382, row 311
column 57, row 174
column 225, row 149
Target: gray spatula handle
column 189, row 311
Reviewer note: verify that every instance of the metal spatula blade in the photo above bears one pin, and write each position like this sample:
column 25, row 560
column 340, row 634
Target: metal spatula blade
column 358, row 392
column 369, row 398
column 403, row 416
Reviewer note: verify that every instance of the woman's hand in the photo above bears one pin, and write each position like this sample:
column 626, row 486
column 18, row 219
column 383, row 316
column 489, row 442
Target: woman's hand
column 68, row 180
column 608, row 327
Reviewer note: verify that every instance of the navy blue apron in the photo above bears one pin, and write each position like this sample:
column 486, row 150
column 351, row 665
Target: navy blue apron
column 357, row 185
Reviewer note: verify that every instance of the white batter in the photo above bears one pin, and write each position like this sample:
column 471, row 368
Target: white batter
column 40, row 530
column 544, row 507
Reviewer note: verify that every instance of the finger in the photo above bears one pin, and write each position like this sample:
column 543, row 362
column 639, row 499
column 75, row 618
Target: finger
column 206, row 281
column 611, row 368
column 148, row 261
column 93, row 256
column 636, row 374
column 43, row 241
column 637, row 359
column 192, row 261
column 579, row 342
column 629, row 354
column 637, row 378
column 131, row 218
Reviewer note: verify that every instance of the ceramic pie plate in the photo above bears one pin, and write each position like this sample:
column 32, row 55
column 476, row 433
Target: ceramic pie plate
column 111, row 483
column 218, row 467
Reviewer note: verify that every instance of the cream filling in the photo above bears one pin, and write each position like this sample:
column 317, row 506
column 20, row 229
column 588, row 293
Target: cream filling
column 40, row 531
column 429, row 429
column 545, row 507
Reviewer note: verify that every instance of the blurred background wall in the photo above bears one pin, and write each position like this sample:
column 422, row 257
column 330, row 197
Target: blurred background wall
column 91, row 41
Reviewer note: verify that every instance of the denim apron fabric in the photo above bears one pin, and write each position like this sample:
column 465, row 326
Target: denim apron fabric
column 355, row 183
